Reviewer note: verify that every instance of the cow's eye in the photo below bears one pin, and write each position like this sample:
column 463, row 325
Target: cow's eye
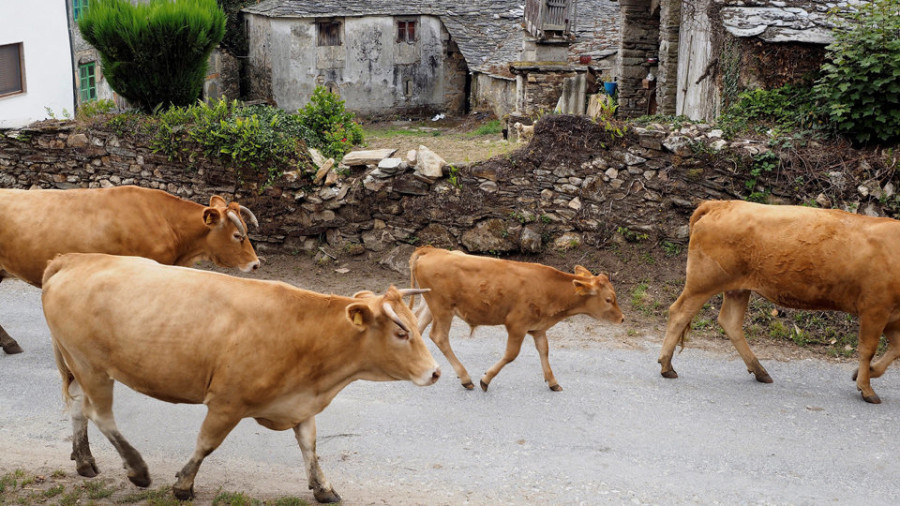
column 402, row 334
column 609, row 300
column 238, row 237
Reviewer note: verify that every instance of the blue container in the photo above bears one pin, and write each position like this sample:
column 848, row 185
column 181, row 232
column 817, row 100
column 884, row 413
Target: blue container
column 610, row 88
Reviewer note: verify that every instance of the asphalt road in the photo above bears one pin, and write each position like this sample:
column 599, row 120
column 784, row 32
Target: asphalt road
column 618, row 433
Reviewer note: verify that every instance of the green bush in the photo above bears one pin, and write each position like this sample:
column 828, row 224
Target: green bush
column 860, row 85
column 332, row 129
column 154, row 53
column 262, row 138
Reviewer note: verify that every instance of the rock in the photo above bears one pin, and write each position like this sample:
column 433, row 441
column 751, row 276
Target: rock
column 397, row 259
column 488, row 187
column 715, row 134
column 490, row 235
column 823, row 201
column 374, row 184
column 530, row 240
column 331, row 178
column 719, row 145
column 410, row 186
column 411, row 157
column 317, row 157
column 428, row 163
column 369, row 157
column 567, row 241
column 77, row 141
column 436, row 235
column 323, row 170
column 391, row 166
column 377, row 240
column 575, row 204
column 104, row 183
column 678, row 144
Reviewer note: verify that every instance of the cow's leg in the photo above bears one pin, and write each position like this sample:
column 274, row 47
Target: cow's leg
column 9, row 345
column 440, row 334
column 423, row 315
column 81, row 449
column 680, row 315
column 543, row 348
column 98, row 394
column 305, row 432
column 731, row 318
column 892, row 333
column 513, row 345
column 216, row 426
column 870, row 328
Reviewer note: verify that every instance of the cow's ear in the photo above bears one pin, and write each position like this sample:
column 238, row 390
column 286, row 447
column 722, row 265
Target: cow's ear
column 363, row 294
column 360, row 315
column 211, row 217
column 581, row 271
column 584, row 287
column 217, row 201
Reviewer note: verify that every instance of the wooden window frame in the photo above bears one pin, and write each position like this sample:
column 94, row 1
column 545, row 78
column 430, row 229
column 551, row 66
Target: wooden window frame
column 83, row 78
column 403, row 30
column 22, row 88
column 325, row 39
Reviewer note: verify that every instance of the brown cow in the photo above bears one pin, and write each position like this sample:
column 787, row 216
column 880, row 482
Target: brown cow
column 37, row 225
column 797, row 257
column 244, row 348
column 526, row 298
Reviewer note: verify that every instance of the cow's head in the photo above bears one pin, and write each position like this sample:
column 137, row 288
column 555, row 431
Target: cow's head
column 227, row 243
column 598, row 296
column 392, row 346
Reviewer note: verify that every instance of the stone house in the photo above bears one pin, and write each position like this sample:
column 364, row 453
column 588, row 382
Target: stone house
column 34, row 76
column 412, row 57
column 691, row 57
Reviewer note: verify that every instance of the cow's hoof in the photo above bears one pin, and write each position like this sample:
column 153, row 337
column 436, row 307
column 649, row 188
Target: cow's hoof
column 556, row 388
column 326, row 496
column 670, row 374
column 469, row 386
column 140, row 478
column 183, row 494
column 12, row 348
column 87, row 469
column 763, row 377
column 872, row 399
column 484, row 386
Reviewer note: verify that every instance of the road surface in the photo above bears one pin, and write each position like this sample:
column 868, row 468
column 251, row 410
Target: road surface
column 618, row 433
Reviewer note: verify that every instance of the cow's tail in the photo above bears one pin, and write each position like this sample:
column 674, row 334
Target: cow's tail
column 64, row 372
column 412, row 274
column 702, row 210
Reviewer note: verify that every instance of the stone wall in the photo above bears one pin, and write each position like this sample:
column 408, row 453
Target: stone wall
column 639, row 42
column 574, row 183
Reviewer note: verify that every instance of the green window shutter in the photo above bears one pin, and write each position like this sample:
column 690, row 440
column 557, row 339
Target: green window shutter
column 87, row 82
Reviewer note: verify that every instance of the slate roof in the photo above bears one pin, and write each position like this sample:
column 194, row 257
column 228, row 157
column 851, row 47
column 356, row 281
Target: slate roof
column 782, row 20
column 488, row 32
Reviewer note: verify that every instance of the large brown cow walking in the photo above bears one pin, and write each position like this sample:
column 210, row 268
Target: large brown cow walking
column 797, row 257
column 244, row 348
column 526, row 298
column 37, row 225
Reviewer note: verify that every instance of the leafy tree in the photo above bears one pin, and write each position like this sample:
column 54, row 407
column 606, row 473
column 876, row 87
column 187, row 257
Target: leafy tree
column 332, row 128
column 860, row 85
column 154, row 53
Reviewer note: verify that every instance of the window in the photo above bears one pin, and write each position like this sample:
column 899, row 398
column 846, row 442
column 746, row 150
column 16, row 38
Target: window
column 329, row 33
column 406, row 31
column 79, row 7
column 12, row 75
column 87, row 82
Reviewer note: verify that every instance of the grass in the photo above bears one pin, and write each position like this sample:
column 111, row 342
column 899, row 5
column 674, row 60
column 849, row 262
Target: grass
column 490, row 128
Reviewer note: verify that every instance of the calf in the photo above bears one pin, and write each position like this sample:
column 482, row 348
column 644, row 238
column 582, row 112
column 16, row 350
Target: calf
column 244, row 348
column 526, row 298
column 797, row 257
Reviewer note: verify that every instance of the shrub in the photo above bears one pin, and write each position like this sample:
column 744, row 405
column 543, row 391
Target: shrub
column 789, row 107
column 263, row 138
column 154, row 53
column 860, row 85
column 332, row 129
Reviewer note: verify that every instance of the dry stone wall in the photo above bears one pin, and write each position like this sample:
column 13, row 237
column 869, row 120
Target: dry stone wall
column 574, row 183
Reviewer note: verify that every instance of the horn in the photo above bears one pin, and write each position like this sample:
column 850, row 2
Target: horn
column 237, row 222
column 412, row 291
column 393, row 315
column 249, row 216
